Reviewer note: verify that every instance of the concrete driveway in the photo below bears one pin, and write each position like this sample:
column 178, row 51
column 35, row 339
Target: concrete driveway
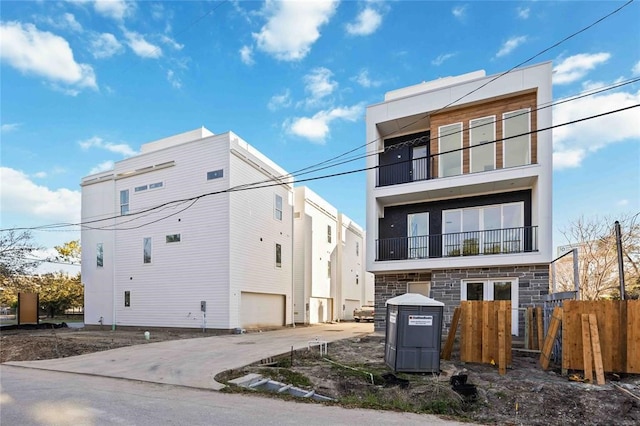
column 195, row 362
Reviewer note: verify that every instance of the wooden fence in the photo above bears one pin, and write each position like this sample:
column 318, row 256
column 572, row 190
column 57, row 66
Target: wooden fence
column 618, row 325
column 486, row 332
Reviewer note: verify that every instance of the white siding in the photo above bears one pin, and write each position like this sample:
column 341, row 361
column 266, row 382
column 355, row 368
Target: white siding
column 259, row 310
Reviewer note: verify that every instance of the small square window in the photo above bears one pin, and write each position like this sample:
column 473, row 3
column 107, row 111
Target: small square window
column 156, row 185
column 173, row 238
column 216, row 174
column 141, row 188
column 278, row 256
column 127, row 299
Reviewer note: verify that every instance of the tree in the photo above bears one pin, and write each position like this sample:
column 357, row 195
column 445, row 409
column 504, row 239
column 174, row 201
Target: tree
column 598, row 258
column 59, row 292
column 16, row 254
column 69, row 252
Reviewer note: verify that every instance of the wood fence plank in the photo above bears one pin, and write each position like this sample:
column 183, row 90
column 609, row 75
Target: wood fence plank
column 502, row 347
column 540, row 327
column 633, row 336
column 506, row 305
column 554, row 326
column 448, row 346
column 597, row 354
column 486, row 333
column 466, row 342
column 529, row 329
column 586, row 348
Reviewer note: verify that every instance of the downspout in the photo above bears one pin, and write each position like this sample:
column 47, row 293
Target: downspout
column 293, row 240
column 113, row 257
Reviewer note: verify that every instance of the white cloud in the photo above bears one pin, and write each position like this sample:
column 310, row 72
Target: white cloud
column 441, row 58
column 319, row 85
column 292, row 27
column 280, row 101
column 623, row 203
column 523, row 12
column 42, row 53
column 316, row 128
column 577, row 66
column 70, row 21
column 10, row 127
column 636, row 68
column 366, row 23
column 116, row 9
column 574, row 142
column 364, row 80
column 66, row 21
column 171, row 42
column 246, row 55
column 510, row 45
column 18, row 194
column 97, row 142
column 105, row 45
column 459, row 11
column 175, row 81
column 140, row 46
column 102, row 167
column 40, row 175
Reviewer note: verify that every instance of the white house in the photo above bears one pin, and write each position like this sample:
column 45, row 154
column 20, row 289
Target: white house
column 165, row 243
column 329, row 272
column 459, row 190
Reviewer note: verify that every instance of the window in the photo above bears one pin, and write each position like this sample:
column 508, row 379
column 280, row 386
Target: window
column 140, row 188
column 419, row 163
column 357, row 248
column 173, row 238
column 124, row 202
column 418, row 235
column 450, row 163
column 357, row 279
column 329, row 269
column 278, row 256
column 216, row 174
column 419, row 287
column 516, row 149
column 484, row 230
column 99, row 255
column 156, row 185
column 127, row 299
column 277, row 208
column 481, row 131
column 493, row 289
column 147, row 250
column 328, row 233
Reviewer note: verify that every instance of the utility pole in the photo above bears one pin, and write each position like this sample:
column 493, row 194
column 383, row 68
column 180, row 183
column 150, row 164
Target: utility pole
column 620, row 262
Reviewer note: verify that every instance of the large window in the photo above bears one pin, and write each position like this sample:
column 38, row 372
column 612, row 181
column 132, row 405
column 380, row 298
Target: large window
column 124, row 202
column 484, row 230
column 450, row 163
column 493, row 289
column 277, row 208
column 418, row 235
column 146, row 250
column 517, row 149
column 99, row 255
column 482, row 131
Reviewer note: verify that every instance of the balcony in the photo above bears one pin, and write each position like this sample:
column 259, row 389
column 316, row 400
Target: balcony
column 475, row 243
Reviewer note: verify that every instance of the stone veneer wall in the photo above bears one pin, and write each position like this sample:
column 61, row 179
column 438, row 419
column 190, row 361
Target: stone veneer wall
column 533, row 283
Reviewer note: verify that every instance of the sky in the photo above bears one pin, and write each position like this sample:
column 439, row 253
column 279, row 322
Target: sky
column 86, row 83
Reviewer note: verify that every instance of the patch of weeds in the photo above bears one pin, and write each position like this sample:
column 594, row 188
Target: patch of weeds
column 501, row 394
column 286, row 376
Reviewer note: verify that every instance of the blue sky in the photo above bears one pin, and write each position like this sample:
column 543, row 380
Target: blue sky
column 85, row 83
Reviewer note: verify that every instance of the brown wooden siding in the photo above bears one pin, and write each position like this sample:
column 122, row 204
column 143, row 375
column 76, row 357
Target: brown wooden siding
column 495, row 107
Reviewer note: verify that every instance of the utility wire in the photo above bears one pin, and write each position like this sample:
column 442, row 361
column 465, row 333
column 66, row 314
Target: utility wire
column 266, row 185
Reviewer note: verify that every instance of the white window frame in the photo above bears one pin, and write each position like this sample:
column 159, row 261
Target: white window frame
column 488, row 294
column 491, row 145
column 124, row 207
column 415, row 250
column 441, row 156
column 160, row 183
column 505, row 123
column 277, row 212
column 144, row 258
column 278, row 248
column 179, row 240
column 100, row 255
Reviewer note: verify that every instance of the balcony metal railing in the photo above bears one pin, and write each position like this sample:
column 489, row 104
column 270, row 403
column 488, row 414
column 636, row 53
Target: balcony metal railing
column 475, row 243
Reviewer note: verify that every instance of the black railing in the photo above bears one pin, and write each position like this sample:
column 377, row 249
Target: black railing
column 403, row 172
column 475, row 243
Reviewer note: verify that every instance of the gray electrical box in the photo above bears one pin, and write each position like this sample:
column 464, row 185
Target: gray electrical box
column 203, row 306
column 414, row 334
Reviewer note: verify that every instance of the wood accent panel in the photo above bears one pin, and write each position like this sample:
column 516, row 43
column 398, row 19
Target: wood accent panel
column 493, row 107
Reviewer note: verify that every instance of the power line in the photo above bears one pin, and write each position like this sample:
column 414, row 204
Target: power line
column 266, row 185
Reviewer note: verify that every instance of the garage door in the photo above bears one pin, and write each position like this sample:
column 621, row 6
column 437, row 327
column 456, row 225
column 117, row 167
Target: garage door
column 349, row 306
column 259, row 310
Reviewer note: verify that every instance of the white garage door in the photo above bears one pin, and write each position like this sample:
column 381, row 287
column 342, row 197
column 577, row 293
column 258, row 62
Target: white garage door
column 262, row 310
column 349, row 306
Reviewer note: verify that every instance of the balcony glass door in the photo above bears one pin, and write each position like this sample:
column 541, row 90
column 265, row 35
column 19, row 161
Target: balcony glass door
column 419, row 164
column 418, row 235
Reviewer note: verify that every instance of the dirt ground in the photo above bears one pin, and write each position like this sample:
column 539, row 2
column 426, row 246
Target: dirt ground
column 525, row 395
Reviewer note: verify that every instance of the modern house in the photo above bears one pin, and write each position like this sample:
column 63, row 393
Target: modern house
column 166, row 244
column 459, row 190
column 329, row 273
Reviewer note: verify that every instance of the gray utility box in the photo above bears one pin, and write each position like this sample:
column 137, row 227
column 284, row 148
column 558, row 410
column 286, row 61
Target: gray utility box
column 414, row 334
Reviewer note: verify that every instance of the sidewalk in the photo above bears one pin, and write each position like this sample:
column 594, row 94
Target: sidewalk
column 195, row 362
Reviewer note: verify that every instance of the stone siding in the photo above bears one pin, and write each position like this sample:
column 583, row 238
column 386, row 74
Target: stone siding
column 533, row 286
